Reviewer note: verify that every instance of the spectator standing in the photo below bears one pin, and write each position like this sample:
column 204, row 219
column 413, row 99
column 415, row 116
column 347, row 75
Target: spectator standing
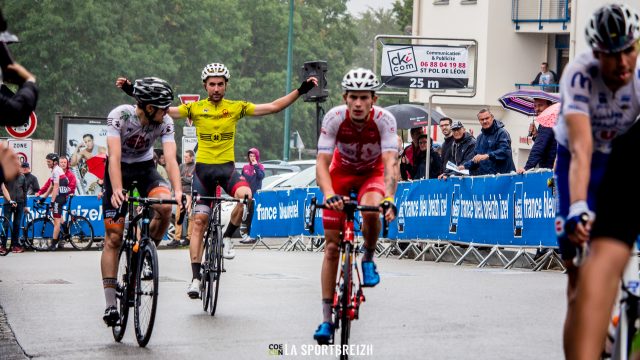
column 253, row 173
column 447, row 143
column 493, row 148
column 544, row 149
column 31, row 180
column 546, row 77
column 407, row 156
column 186, row 179
column 463, row 149
column 158, row 158
column 15, row 199
column 420, row 160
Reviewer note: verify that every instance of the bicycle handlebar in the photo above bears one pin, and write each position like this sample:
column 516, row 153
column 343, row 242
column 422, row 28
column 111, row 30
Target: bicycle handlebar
column 350, row 205
column 196, row 197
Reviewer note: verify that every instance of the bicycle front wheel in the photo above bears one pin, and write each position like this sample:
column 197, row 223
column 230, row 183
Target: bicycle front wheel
column 347, row 286
column 122, row 293
column 146, row 296
column 216, row 266
column 80, row 233
column 38, row 233
column 205, row 292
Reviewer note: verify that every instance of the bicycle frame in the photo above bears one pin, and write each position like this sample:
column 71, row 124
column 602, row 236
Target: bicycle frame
column 627, row 309
column 348, row 295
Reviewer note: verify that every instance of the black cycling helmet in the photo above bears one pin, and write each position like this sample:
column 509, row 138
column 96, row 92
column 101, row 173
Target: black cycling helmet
column 153, row 91
column 53, row 157
column 613, row 28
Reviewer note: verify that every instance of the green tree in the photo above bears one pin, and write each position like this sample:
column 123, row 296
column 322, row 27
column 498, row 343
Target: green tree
column 403, row 12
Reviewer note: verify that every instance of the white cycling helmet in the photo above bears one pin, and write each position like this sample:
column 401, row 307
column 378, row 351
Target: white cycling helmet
column 360, row 79
column 613, row 28
column 215, row 69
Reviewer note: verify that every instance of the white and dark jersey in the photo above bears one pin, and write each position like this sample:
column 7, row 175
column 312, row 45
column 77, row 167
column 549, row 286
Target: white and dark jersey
column 357, row 149
column 58, row 177
column 137, row 140
column 583, row 91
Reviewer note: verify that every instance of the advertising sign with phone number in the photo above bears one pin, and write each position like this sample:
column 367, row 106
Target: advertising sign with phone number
column 425, row 67
column 26, row 130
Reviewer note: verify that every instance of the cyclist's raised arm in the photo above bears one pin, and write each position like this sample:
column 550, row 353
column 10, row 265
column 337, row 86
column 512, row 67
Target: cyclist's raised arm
column 281, row 103
column 125, row 85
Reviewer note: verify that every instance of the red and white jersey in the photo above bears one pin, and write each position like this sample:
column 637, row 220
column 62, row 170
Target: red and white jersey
column 357, row 148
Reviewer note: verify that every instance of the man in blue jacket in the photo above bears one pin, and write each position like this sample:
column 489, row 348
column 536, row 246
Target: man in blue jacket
column 493, row 148
column 543, row 151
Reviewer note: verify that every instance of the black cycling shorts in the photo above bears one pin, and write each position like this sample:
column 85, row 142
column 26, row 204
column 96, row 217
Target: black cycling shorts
column 207, row 177
column 619, row 195
column 146, row 176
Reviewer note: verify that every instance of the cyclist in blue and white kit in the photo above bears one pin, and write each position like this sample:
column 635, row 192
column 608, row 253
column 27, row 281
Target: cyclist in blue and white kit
column 131, row 133
column 600, row 93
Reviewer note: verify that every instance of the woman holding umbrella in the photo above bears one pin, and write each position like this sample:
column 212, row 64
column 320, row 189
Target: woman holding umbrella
column 543, row 152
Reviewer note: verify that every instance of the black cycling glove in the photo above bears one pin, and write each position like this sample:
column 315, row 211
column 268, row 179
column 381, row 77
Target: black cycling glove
column 334, row 199
column 127, row 87
column 305, row 87
column 388, row 203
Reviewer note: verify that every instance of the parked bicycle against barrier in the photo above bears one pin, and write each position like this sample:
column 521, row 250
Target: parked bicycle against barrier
column 212, row 262
column 138, row 270
column 5, row 232
column 348, row 295
column 76, row 229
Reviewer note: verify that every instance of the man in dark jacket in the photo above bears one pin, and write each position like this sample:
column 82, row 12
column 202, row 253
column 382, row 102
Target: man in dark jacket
column 15, row 199
column 420, row 160
column 31, row 180
column 493, row 148
column 463, row 149
column 447, row 143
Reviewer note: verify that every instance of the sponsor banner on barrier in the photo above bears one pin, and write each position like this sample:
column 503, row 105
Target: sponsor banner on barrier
column 514, row 210
column 85, row 205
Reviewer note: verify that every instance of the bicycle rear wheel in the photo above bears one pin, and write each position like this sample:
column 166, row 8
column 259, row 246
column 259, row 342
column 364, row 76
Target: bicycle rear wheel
column 5, row 231
column 216, row 268
column 347, row 285
column 146, row 294
column 80, row 233
column 38, row 233
column 122, row 293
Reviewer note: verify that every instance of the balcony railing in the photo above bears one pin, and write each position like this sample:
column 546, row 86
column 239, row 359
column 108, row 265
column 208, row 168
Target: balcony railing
column 541, row 12
column 552, row 88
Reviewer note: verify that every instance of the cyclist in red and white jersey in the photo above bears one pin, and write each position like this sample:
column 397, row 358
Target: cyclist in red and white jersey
column 357, row 150
column 59, row 190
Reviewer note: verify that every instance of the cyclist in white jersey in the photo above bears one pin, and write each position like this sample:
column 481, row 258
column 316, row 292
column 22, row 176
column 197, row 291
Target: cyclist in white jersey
column 600, row 93
column 131, row 133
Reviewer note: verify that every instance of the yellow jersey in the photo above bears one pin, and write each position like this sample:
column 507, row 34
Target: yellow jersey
column 216, row 127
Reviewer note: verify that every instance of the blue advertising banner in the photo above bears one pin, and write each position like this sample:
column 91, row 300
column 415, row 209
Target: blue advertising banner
column 516, row 210
column 86, row 205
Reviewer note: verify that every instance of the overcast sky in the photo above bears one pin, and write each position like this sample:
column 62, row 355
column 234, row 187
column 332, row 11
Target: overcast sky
column 358, row 6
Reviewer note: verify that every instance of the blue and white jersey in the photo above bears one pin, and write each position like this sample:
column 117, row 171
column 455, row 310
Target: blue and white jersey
column 582, row 90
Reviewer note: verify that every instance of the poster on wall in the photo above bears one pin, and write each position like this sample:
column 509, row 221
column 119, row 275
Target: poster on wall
column 85, row 144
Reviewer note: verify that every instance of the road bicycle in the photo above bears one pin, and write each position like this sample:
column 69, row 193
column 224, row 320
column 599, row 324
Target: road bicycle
column 76, row 229
column 212, row 262
column 626, row 317
column 348, row 295
column 138, row 271
column 5, row 232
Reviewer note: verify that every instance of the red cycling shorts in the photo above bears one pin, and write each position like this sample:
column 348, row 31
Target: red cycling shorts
column 343, row 181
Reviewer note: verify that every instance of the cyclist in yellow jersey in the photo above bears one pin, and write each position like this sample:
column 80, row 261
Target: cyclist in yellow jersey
column 215, row 120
